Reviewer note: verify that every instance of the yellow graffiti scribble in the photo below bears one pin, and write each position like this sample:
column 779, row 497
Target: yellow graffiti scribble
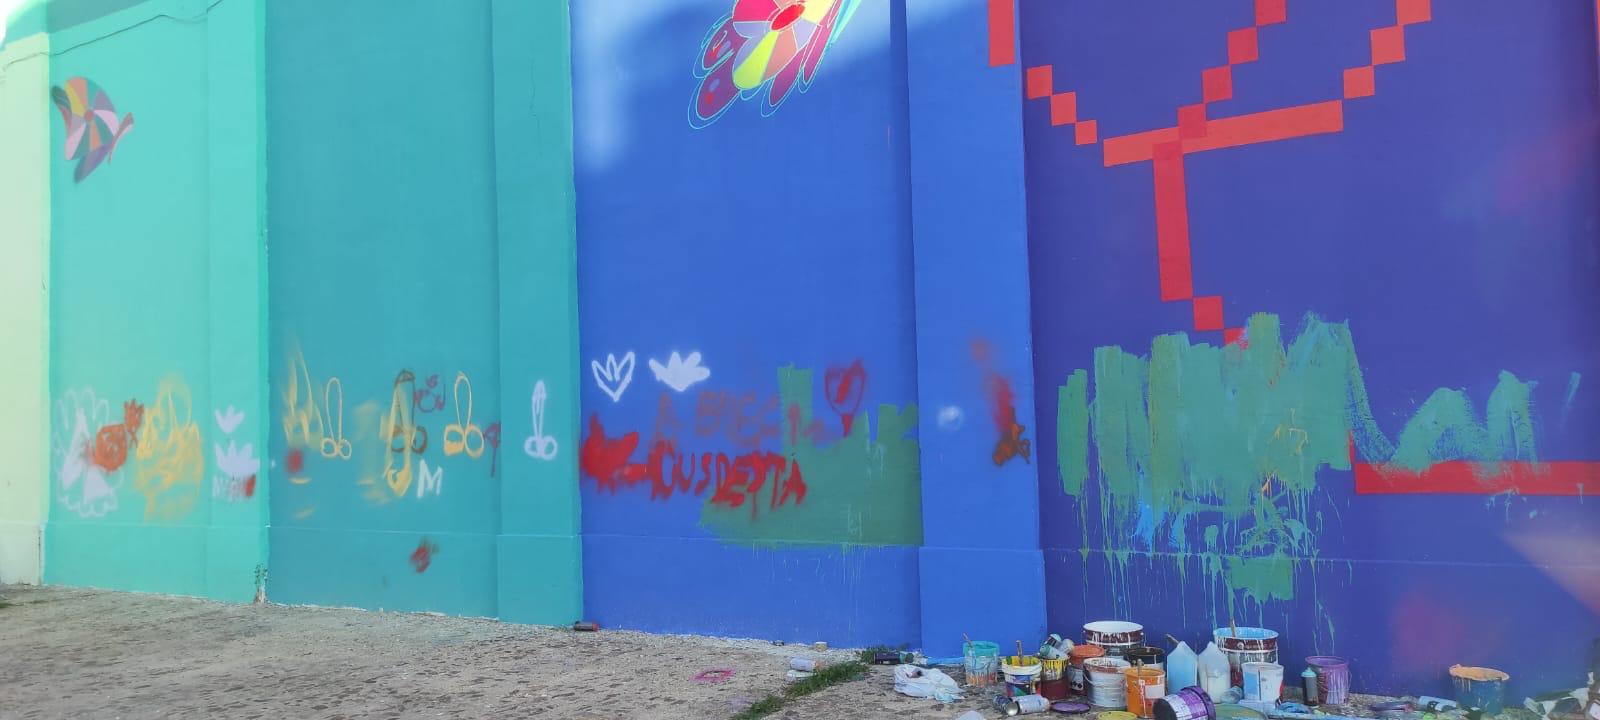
column 337, row 445
column 401, row 434
column 458, row 435
column 171, row 463
column 306, row 425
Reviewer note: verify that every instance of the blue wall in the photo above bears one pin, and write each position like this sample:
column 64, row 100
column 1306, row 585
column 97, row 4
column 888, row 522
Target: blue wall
column 1449, row 227
column 766, row 244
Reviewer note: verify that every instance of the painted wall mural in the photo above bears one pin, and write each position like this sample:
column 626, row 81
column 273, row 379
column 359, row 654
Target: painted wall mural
column 154, row 450
column 766, row 48
column 93, row 129
column 1246, row 471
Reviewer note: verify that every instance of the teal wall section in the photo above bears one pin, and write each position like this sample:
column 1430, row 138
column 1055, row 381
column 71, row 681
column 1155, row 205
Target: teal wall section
column 156, row 302
column 541, row 579
column 422, row 292
column 25, row 225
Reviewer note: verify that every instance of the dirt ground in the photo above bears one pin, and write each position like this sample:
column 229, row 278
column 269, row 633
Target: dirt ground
column 71, row 653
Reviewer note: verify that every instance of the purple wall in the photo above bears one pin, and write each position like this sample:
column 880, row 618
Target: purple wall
column 1406, row 194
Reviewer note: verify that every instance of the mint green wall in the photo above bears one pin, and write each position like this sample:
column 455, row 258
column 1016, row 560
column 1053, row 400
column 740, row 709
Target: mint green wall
column 422, row 289
column 156, row 298
column 25, row 225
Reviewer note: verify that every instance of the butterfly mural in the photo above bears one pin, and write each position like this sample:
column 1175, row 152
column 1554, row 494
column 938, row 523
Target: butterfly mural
column 764, row 47
column 93, row 130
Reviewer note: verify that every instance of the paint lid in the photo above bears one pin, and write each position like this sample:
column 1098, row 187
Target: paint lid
column 1230, row 711
column 1118, row 715
column 1070, row 708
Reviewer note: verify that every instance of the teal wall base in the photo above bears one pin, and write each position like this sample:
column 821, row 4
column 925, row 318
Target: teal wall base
column 541, row 579
column 19, row 552
column 379, row 570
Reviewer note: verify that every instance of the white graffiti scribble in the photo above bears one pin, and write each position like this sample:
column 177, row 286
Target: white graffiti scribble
column 429, row 481
column 237, row 462
column 614, row 376
column 951, row 418
column 228, row 420
column 680, row 372
column 86, row 488
column 539, row 445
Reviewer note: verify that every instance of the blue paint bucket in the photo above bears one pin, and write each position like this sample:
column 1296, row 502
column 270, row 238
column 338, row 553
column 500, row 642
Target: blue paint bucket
column 1481, row 688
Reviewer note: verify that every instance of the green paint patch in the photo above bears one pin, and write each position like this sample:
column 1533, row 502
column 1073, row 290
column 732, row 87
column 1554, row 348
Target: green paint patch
column 823, row 679
column 1235, row 436
column 862, row 489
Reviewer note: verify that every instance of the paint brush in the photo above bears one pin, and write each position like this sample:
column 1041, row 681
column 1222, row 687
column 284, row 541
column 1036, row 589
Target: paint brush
column 1172, row 639
column 967, row 638
column 1019, row 652
column 1235, row 628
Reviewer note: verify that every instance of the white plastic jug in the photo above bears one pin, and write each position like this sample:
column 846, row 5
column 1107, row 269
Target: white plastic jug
column 1182, row 668
column 1214, row 672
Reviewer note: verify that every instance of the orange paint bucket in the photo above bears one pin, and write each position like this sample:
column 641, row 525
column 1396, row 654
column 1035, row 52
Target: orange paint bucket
column 1145, row 686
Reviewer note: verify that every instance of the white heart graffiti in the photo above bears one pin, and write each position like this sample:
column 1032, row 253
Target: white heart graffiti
column 614, row 376
column 539, row 445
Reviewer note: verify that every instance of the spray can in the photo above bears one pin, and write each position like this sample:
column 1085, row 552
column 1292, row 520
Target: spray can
column 1026, row 705
column 1308, row 681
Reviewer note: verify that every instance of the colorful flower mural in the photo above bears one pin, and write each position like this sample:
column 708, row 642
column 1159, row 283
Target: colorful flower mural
column 764, row 47
column 93, row 130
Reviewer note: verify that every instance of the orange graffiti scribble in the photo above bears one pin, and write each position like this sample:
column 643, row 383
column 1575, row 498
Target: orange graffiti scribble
column 110, row 449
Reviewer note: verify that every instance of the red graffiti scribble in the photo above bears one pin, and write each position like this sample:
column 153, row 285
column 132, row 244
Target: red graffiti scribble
column 491, row 435
column 844, row 387
column 250, row 486
column 607, row 460
column 111, row 443
column 737, row 417
column 296, row 461
column 422, row 557
column 1002, row 403
column 734, row 481
column 420, row 396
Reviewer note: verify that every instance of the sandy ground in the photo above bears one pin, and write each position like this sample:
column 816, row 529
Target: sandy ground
column 70, row 653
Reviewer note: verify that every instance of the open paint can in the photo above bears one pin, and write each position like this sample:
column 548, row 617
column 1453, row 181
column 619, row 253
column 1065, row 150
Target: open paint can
column 1116, row 636
column 1106, row 685
column 1263, row 682
column 1075, row 659
column 1144, row 686
column 1333, row 678
column 1244, row 645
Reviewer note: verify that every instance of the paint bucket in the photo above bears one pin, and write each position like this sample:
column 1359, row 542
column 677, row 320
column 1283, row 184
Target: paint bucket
column 1148, row 656
column 1021, row 674
column 1116, row 636
column 1333, row 678
column 1479, row 687
column 1075, row 678
column 1057, row 689
column 1144, row 685
column 1053, row 678
column 1263, row 682
column 980, row 662
column 1190, row 703
column 1103, row 676
column 1246, row 644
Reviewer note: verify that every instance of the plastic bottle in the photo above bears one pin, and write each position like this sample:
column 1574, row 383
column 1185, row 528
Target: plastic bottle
column 1214, row 672
column 1182, row 668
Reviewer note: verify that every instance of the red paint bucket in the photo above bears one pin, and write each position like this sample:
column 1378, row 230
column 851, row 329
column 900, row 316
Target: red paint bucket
column 1244, row 645
column 1190, row 703
column 1116, row 636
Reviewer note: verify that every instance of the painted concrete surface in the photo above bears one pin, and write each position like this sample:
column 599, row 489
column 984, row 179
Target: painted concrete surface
column 25, row 223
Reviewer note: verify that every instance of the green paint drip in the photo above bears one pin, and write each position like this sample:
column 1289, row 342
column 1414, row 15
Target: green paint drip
column 1239, row 434
column 860, row 489
column 1572, row 392
column 1072, row 433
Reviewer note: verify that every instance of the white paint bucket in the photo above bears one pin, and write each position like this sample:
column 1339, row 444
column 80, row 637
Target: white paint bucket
column 1263, row 682
column 1106, row 685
